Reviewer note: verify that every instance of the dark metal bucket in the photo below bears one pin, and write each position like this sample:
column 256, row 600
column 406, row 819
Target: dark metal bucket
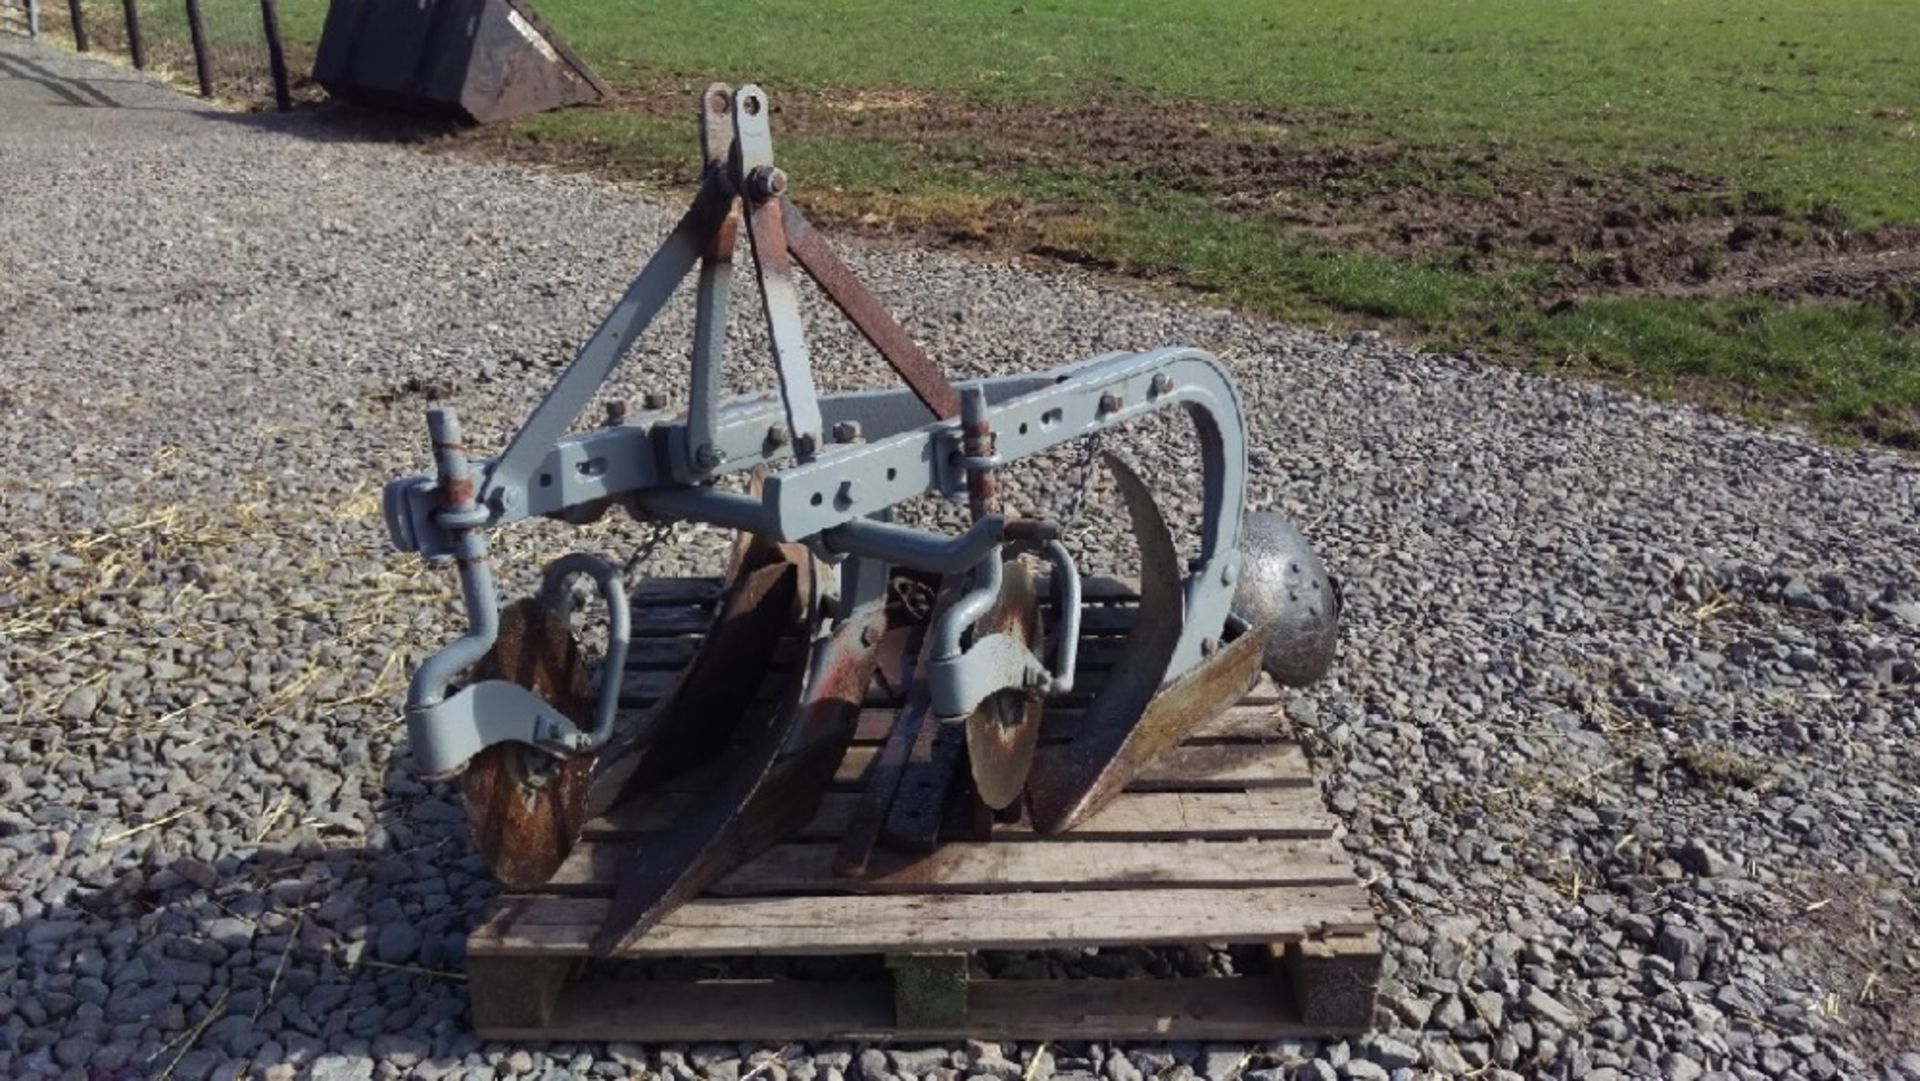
column 483, row 60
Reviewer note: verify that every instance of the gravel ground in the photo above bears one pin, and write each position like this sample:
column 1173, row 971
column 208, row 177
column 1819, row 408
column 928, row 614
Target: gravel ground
column 1622, row 735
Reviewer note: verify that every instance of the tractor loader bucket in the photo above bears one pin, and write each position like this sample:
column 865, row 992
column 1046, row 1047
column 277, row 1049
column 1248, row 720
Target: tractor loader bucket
column 484, row 61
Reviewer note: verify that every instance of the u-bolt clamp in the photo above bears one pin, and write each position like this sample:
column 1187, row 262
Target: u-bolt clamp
column 554, row 593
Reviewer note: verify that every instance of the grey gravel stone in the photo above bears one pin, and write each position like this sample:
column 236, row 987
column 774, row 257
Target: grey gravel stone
column 1223, row 1063
column 1391, row 1053
column 918, row 1061
column 1702, row 859
column 80, row 704
column 397, row 943
column 1544, row 1005
column 197, row 871
column 1444, row 1058
column 1679, row 1067
column 341, row 1068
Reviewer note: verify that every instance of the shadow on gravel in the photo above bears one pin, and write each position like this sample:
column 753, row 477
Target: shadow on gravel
column 85, row 93
column 312, row 957
column 345, row 122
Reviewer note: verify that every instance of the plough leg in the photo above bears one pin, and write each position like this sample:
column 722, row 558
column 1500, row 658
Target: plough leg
column 773, row 785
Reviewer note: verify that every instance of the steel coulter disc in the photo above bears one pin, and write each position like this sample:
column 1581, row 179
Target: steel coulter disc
column 524, row 806
column 1004, row 731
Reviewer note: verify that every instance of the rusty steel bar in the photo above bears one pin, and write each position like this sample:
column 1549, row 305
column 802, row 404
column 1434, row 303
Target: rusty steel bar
column 890, row 765
column 781, row 303
column 197, row 31
column 79, row 18
column 976, row 445
column 866, row 313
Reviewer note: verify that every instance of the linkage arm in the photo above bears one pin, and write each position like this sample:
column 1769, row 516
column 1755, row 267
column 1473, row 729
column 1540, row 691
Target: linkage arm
column 596, row 360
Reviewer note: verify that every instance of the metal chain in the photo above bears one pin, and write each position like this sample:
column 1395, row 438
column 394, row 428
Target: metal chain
column 662, row 529
column 579, row 590
column 1077, row 499
column 915, row 597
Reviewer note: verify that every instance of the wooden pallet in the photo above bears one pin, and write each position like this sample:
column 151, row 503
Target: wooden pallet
column 1224, row 842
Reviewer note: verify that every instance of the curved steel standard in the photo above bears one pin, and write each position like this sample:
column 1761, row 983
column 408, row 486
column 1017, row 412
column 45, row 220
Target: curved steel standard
column 834, row 466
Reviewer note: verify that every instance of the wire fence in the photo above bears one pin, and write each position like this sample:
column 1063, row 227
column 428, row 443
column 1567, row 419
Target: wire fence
column 232, row 49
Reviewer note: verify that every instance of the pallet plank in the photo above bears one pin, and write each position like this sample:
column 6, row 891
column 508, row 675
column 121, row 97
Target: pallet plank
column 1246, row 721
column 674, row 592
column 669, row 620
column 653, row 664
column 709, row 926
column 799, row 867
column 1228, row 767
column 1242, row 1009
column 1265, row 813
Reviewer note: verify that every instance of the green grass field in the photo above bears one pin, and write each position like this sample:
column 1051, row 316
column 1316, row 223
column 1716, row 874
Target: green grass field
column 1384, row 124
column 1775, row 95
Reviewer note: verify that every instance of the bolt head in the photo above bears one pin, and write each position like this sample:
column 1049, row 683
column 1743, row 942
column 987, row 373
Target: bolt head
column 807, row 444
column 778, row 435
column 705, row 456
column 1111, row 402
column 1162, row 383
column 847, row 431
column 616, row 411
column 766, row 182
column 654, row 400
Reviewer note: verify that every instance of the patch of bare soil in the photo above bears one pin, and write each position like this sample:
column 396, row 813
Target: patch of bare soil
column 1660, row 231
column 1859, row 937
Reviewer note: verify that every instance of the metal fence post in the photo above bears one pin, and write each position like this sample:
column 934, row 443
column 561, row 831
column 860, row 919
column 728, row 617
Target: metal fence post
column 79, row 25
column 276, row 55
column 197, row 30
column 134, row 45
column 33, row 19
